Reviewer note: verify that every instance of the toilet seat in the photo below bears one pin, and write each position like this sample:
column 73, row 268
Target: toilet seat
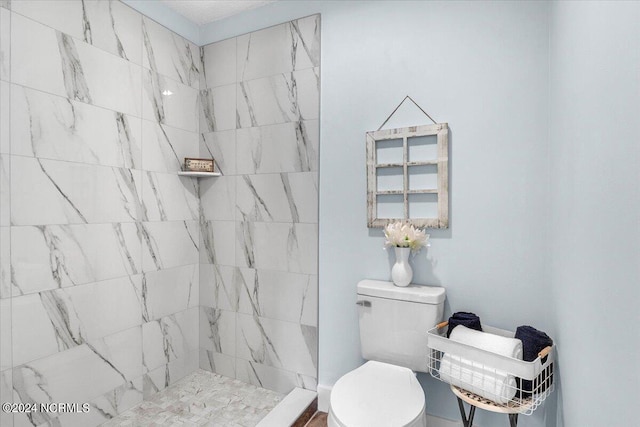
column 377, row 395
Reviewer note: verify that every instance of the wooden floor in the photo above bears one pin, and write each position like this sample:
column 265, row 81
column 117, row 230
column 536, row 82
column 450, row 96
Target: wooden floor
column 318, row 420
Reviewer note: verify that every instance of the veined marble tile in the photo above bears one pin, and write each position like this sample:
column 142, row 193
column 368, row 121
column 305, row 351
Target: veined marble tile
column 165, row 147
column 75, row 375
column 45, row 59
column 277, row 246
column 276, row 343
column 272, row 378
column 5, row 117
column 5, row 334
column 54, row 127
column 169, row 197
column 286, row 147
column 169, row 102
column 5, row 262
column 6, row 395
column 219, row 63
column 278, row 295
column 291, row 46
column 167, row 53
column 220, row 146
column 168, row 244
column 57, row 256
column 167, row 375
column 54, row 321
column 218, row 108
column 218, row 242
column 281, row 98
column 218, row 198
column 218, row 363
column 57, row 192
column 5, row 190
column 283, row 197
column 5, row 43
column 107, row 406
column 218, row 287
column 5, row 3
column 170, row 338
column 169, row 291
column 108, row 25
column 218, row 330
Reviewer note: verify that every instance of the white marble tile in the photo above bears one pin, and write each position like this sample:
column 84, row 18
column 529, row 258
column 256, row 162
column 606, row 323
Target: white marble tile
column 169, row 54
column 218, row 242
column 218, row 287
column 278, row 295
column 5, row 117
column 272, row 378
column 218, row 108
column 58, row 192
column 220, row 146
column 5, row 334
column 5, row 262
column 219, row 61
column 75, row 375
column 54, row 127
column 218, row 198
column 169, row 374
column 57, row 256
column 218, row 363
column 108, row 25
column 5, row 44
column 286, row 147
column 165, row 147
column 45, row 59
column 169, row 291
column 169, row 338
column 124, row 351
column 218, row 330
column 6, row 395
column 294, row 45
column 5, row 190
column 277, row 246
column 284, row 197
column 169, row 197
column 169, row 102
column 276, row 343
column 281, row 98
column 168, row 244
column 53, row 321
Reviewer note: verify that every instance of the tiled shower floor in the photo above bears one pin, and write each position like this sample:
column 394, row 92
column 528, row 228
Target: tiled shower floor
column 202, row 399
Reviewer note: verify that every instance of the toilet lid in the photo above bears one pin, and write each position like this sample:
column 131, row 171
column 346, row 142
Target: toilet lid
column 377, row 394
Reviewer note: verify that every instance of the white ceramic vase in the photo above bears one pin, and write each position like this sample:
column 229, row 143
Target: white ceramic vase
column 402, row 273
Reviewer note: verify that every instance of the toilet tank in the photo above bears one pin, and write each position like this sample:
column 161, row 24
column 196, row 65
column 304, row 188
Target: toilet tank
column 394, row 321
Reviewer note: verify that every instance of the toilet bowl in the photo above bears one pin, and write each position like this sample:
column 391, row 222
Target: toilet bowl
column 377, row 395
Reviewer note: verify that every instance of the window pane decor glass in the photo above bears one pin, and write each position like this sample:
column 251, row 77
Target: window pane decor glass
column 408, row 176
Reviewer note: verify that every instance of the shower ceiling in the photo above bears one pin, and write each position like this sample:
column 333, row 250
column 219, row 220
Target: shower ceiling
column 206, row 11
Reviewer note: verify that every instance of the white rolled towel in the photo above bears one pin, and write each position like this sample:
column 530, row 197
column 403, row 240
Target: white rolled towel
column 490, row 383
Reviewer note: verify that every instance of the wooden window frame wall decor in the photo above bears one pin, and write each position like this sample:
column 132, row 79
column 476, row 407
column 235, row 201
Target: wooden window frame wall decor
column 441, row 131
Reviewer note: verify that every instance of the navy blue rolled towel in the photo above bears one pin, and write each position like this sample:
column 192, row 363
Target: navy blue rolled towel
column 533, row 342
column 470, row 320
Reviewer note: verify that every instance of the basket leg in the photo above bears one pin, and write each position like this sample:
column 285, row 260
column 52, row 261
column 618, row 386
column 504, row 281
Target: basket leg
column 513, row 420
column 466, row 422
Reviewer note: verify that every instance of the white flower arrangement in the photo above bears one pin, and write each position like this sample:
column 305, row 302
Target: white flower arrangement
column 404, row 235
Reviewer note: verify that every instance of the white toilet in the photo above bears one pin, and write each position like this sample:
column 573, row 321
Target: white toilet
column 384, row 392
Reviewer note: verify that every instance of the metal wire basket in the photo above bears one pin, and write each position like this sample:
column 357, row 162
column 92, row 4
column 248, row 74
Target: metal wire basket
column 497, row 383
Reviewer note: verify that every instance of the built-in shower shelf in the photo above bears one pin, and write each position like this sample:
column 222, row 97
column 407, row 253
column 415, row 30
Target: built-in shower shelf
column 199, row 174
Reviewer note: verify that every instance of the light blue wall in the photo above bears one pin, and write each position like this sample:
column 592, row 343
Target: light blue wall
column 163, row 14
column 595, row 233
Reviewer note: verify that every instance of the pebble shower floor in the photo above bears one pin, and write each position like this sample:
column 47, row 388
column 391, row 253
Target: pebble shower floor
column 202, row 399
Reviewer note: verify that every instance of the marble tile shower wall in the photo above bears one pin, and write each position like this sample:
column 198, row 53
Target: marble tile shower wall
column 259, row 221
column 99, row 253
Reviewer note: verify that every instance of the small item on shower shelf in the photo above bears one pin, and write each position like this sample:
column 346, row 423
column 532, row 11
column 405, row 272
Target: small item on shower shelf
column 470, row 320
column 198, row 165
column 533, row 342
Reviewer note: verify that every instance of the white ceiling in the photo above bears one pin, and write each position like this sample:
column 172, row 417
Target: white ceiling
column 205, row 11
